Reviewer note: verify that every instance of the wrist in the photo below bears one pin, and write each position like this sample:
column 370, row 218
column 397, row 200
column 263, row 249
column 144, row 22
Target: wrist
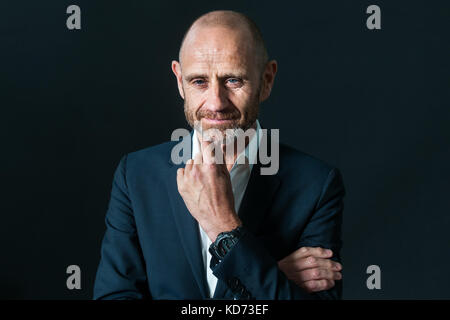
column 225, row 226
column 224, row 242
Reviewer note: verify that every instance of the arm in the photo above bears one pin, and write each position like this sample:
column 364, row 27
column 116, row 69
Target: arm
column 324, row 229
column 248, row 265
column 121, row 272
column 311, row 268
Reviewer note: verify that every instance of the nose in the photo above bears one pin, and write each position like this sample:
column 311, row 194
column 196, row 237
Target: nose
column 216, row 100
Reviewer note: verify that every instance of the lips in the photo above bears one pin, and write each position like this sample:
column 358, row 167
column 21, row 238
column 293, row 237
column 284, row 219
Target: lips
column 218, row 120
column 218, row 117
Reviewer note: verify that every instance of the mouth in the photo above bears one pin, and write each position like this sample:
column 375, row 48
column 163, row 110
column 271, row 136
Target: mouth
column 217, row 121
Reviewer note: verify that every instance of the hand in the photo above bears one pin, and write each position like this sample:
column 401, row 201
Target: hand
column 311, row 268
column 206, row 190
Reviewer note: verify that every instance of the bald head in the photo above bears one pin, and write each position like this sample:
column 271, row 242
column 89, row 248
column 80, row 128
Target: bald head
column 236, row 25
column 223, row 72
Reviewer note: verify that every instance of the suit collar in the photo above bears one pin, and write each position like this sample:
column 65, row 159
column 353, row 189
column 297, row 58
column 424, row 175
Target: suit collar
column 188, row 230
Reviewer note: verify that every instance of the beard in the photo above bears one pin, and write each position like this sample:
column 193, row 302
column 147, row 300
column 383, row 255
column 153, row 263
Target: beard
column 227, row 132
column 239, row 120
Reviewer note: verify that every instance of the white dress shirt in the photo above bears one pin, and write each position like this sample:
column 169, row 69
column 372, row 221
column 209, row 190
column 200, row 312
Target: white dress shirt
column 239, row 174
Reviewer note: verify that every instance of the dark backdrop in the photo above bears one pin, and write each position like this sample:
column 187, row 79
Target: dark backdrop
column 373, row 103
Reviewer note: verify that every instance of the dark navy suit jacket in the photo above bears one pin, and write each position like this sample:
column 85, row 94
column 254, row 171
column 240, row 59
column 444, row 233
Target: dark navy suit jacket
column 152, row 249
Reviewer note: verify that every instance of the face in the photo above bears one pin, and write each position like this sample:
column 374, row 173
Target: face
column 219, row 79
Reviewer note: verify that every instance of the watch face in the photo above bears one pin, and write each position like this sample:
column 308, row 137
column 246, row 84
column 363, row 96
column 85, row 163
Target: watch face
column 227, row 243
column 224, row 243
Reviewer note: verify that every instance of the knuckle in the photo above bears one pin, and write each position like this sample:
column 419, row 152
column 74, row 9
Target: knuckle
column 311, row 260
column 311, row 285
column 315, row 273
column 322, row 284
column 304, row 249
column 330, row 284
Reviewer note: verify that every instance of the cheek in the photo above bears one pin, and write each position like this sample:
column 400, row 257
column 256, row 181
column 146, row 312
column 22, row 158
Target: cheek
column 194, row 97
column 242, row 99
column 192, row 102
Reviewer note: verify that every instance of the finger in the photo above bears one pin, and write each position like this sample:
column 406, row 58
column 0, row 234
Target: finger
column 314, row 262
column 230, row 151
column 310, row 251
column 180, row 176
column 318, row 285
column 223, row 149
column 318, row 274
column 207, row 152
column 198, row 158
column 189, row 164
column 305, row 275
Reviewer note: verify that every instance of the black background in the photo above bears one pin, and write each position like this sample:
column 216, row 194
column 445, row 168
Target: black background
column 374, row 103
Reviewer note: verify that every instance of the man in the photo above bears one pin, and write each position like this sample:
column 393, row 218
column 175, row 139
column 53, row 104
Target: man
column 212, row 229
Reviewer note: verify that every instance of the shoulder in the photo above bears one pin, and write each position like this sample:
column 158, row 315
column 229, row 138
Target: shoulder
column 159, row 152
column 297, row 160
column 301, row 168
column 149, row 161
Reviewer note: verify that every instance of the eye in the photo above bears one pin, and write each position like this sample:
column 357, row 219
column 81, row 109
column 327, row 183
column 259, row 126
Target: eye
column 198, row 82
column 234, row 82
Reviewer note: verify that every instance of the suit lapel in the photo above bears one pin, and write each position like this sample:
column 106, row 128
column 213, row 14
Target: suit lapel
column 257, row 198
column 188, row 230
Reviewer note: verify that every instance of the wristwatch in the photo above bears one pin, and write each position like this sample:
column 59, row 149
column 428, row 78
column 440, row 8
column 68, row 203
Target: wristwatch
column 223, row 244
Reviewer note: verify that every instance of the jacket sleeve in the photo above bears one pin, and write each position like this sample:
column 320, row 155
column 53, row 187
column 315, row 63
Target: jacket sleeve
column 251, row 272
column 121, row 272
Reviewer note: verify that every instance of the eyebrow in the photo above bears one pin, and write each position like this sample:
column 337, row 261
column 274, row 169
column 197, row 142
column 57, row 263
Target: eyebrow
column 238, row 74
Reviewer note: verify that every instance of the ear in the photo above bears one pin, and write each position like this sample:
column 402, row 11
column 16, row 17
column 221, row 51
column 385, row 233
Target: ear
column 176, row 69
column 268, row 79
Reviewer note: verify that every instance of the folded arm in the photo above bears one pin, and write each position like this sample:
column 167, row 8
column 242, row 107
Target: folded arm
column 251, row 272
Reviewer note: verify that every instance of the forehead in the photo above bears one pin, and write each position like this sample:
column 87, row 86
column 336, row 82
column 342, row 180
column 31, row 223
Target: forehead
column 217, row 47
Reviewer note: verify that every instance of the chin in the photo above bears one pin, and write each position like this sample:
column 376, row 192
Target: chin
column 218, row 133
column 215, row 125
